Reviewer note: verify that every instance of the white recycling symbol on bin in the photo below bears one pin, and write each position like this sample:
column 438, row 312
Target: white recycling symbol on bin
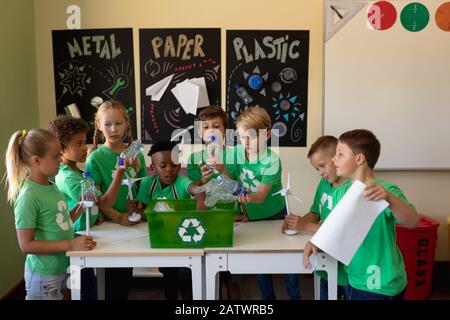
column 191, row 230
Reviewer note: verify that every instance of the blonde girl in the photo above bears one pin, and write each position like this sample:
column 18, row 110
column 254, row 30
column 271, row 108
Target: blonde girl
column 43, row 223
column 112, row 127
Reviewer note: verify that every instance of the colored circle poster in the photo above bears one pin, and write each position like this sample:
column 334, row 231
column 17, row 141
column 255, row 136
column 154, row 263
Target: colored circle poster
column 414, row 17
column 382, row 15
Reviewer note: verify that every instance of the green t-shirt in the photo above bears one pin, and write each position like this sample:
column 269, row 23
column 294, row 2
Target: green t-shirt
column 101, row 164
column 377, row 265
column 325, row 199
column 266, row 170
column 151, row 189
column 68, row 182
column 193, row 170
column 44, row 209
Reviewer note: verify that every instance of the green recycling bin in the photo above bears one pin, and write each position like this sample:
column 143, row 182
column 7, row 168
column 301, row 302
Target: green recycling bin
column 186, row 227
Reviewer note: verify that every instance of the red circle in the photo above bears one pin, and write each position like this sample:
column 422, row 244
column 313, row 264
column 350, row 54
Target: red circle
column 443, row 16
column 382, row 15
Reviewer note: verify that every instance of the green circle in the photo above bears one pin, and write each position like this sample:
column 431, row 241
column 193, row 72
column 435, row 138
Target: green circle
column 414, row 17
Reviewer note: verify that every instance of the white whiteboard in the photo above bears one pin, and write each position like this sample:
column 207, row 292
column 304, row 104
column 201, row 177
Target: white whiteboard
column 395, row 83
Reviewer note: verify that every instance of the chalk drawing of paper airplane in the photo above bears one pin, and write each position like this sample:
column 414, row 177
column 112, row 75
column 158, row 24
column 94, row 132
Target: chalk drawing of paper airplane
column 157, row 89
column 191, row 94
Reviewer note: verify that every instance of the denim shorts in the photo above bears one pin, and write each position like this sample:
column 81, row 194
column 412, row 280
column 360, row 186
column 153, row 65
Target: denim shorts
column 42, row 287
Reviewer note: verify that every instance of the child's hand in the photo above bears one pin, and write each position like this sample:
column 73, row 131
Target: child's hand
column 242, row 218
column 201, row 206
column 124, row 221
column 132, row 206
column 307, row 252
column 100, row 220
column 375, row 192
column 206, row 172
column 123, row 165
column 246, row 197
column 293, row 222
column 82, row 243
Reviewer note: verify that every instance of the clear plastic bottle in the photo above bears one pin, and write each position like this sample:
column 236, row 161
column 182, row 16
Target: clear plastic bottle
column 212, row 150
column 132, row 150
column 243, row 94
column 232, row 187
column 88, row 195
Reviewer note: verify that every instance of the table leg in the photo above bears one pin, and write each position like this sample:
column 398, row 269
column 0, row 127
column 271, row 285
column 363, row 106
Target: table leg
column 76, row 264
column 195, row 264
column 316, row 286
column 214, row 264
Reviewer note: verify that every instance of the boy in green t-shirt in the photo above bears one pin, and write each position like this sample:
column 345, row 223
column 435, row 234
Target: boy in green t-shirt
column 214, row 123
column 259, row 170
column 330, row 188
column 376, row 271
column 71, row 133
column 167, row 184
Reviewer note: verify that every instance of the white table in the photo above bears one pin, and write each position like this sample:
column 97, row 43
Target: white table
column 261, row 247
column 133, row 253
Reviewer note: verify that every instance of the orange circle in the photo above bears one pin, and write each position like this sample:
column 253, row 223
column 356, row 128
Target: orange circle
column 443, row 16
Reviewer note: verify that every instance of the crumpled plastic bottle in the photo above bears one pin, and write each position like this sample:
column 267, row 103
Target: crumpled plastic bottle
column 162, row 206
column 221, row 189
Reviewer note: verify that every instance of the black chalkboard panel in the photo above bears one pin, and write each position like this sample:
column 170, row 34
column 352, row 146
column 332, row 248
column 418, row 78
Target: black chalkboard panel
column 94, row 62
column 270, row 69
column 187, row 54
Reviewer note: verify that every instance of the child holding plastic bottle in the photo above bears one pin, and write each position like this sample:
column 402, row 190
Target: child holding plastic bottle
column 216, row 158
column 112, row 123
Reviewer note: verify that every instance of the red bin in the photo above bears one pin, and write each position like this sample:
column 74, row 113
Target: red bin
column 418, row 246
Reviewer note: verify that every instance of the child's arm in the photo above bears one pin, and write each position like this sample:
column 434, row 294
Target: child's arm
column 404, row 213
column 307, row 252
column 76, row 212
column 29, row 245
column 110, row 196
column 308, row 223
column 258, row 196
column 200, row 197
column 116, row 216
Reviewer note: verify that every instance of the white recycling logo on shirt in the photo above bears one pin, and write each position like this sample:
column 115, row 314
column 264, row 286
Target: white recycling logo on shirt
column 191, row 231
column 62, row 208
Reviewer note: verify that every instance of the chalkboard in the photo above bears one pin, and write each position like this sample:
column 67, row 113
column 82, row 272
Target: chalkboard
column 180, row 54
column 387, row 69
column 271, row 67
column 94, row 63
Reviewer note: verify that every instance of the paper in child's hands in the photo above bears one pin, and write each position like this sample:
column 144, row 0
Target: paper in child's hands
column 341, row 234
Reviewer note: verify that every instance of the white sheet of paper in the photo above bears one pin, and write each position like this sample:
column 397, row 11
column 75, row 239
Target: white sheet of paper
column 114, row 233
column 156, row 90
column 343, row 231
column 191, row 94
column 203, row 100
column 187, row 95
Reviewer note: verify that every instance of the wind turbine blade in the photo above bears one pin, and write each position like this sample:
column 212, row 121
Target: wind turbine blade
column 273, row 194
column 289, row 181
column 298, row 199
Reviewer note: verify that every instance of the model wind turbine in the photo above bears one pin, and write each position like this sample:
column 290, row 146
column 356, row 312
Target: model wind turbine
column 134, row 217
column 286, row 192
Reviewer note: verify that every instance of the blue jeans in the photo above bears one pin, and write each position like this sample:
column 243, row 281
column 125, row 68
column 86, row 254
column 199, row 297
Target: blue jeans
column 291, row 281
column 355, row 294
column 42, row 287
column 324, row 290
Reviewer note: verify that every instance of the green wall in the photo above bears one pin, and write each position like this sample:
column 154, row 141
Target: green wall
column 18, row 110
